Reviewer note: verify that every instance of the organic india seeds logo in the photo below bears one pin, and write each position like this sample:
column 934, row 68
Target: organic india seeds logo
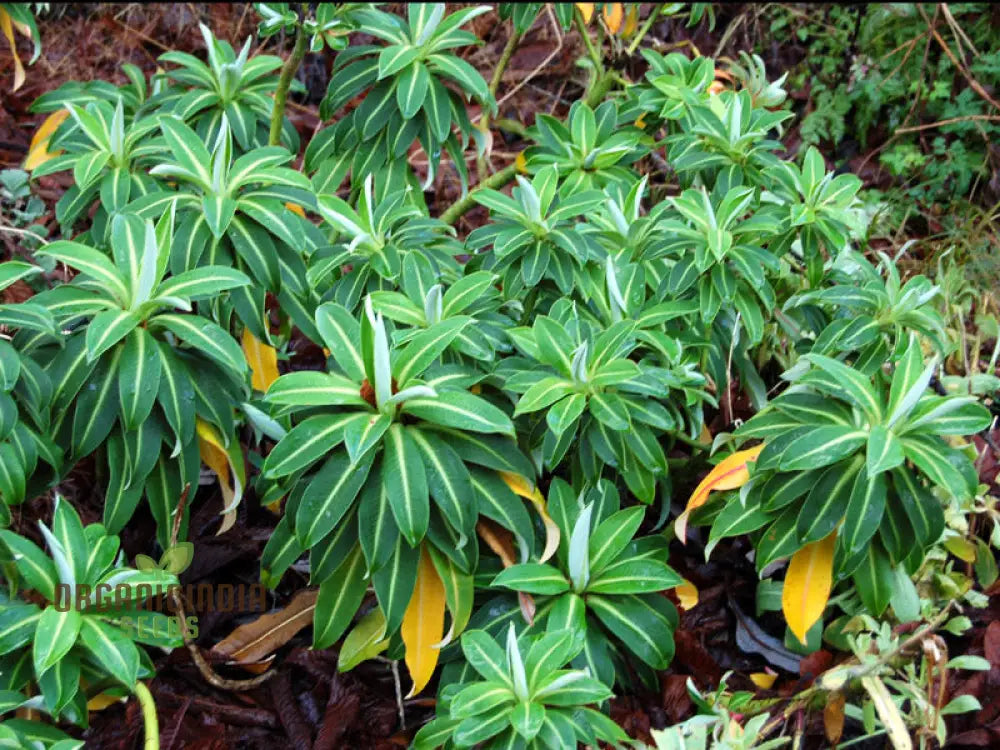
column 142, row 598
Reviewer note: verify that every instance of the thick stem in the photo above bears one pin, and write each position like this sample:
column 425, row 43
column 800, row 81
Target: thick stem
column 484, row 120
column 288, row 71
column 151, row 725
column 646, row 26
column 460, row 207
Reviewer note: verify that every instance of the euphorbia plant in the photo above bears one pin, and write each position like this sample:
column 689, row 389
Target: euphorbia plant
column 606, row 584
column 394, row 431
column 524, row 697
column 136, row 362
column 858, row 460
column 87, row 631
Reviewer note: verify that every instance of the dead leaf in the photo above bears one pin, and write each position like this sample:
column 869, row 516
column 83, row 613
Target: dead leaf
column 833, row 717
column 253, row 642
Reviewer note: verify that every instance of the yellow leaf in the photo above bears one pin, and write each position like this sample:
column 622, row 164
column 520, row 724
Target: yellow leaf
column 295, row 208
column 586, row 10
column 497, row 539
column 263, row 361
column 961, row 548
column 763, row 680
column 102, row 700
column 833, row 717
column 423, row 624
column 640, row 121
column 687, row 595
column 8, row 31
column 227, row 463
column 728, row 474
column 613, row 14
column 521, row 486
column 521, row 163
column 807, row 585
column 631, row 20
column 38, row 150
column 705, row 438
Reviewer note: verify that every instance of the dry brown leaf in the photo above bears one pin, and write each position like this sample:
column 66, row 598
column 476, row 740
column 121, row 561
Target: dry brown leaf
column 253, row 642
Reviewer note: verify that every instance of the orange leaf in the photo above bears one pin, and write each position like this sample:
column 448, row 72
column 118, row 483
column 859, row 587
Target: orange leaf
column 423, row 624
column 807, row 585
column 295, row 208
column 833, row 717
column 8, row 31
column 586, row 10
column 640, row 121
column 687, row 595
column 631, row 20
column 521, row 486
column 227, row 463
column 728, row 474
column 38, row 150
column 263, row 361
column 764, row 680
column 501, row 541
column 613, row 14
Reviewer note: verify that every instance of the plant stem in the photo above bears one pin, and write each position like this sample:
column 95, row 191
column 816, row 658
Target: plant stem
column 460, row 207
column 657, row 9
column 288, row 71
column 595, row 56
column 151, row 726
column 484, row 121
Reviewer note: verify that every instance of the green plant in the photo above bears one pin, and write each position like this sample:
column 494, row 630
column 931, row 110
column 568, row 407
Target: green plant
column 108, row 158
column 394, row 432
column 593, row 396
column 407, row 99
column 232, row 85
column 88, row 628
column 134, row 354
column 524, row 697
column 858, row 459
column 606, row 585
column 590, row 153
column 532, row 235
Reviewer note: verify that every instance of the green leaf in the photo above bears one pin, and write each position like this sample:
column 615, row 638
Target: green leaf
column 644, row 624
column 613, row 535
column 91, row 263
column 527, row 719
column 874, row 580
column 485, row 656
column 394, row 582
column 930, row 455
column 634, row 577
column 311, row 388
column 54, row 637
column 406, row 481
column 448, row 480
column 884, row 451
column 533, row 578
column 111, row 649
column 411, row 89
column 329, row 496
column 543, row 393
column 207, row 338
column 425, row 347
column 342, row 336
column 827, row 502
column 853, row 384
column 822, row 446
column 338, row 600
column 460, row 410
column 864, row 513
column 201, row 283
column 306, row 443
column 138, row 377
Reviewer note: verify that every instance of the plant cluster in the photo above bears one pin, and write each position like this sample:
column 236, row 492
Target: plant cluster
column 485, row 437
